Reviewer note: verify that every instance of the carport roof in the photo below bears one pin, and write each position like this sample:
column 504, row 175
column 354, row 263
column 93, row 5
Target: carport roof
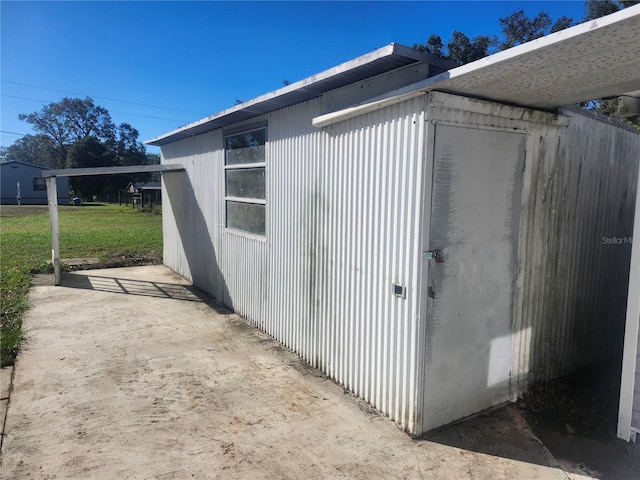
column 595, row 59
column 82, row 172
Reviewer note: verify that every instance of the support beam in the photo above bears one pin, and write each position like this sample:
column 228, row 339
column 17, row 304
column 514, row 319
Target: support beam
column 52, row 199
column 631, row 340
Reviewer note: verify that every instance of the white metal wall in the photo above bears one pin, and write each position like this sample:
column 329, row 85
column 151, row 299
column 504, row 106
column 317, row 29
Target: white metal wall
column 341, row 229
column 344, row 220
column 373, row 172
column 580, row 186
column 294, row 198
column 267, row 280
column 192, row 211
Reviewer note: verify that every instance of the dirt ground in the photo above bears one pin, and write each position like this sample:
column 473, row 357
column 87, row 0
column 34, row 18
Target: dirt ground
column 129, row 373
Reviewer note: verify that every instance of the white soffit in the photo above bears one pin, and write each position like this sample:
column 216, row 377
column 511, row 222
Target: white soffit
column 596, row 59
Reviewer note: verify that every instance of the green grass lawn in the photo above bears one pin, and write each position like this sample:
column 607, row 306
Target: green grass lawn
column 116, row 235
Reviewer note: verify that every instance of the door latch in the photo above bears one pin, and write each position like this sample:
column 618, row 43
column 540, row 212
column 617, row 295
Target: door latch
column 436, row 255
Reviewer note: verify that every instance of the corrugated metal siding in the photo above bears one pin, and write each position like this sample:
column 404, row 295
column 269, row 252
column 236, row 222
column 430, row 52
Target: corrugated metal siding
column 192, row 211
column 344, row 224
column 580, row 185
column 341, row 228
column 295, row 162
column 370, row 240
column 238, row 269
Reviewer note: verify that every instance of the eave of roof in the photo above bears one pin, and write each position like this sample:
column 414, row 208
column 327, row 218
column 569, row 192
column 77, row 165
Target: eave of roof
column 379, row 61
column 596, row 59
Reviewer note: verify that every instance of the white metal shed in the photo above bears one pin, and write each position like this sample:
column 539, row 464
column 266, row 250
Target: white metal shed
column 433, row 253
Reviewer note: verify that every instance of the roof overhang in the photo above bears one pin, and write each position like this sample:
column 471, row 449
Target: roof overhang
column 596, row 59
column 380, row 61
column 82, row 172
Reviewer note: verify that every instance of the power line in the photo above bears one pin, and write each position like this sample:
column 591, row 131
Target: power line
column 103, row 98
column 114, row 111
column 14, row 133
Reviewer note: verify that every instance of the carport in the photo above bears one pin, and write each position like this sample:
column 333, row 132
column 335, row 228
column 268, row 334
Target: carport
column 52, row 196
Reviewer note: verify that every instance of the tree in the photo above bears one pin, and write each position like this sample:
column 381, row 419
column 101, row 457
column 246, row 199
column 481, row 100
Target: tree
column 464, row 50
column 460, row 48
column 37, row 149
column 599, row 8
column 129, row 151
column 433, row 46
column 561, row 24
column 86, row 153
column 70, row 120
column 517, row 28
column 78, row 133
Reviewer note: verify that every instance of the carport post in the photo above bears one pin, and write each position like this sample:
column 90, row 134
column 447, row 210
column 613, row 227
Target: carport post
column 52, row 198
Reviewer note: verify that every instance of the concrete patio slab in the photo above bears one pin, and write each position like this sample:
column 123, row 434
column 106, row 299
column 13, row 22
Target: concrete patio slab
column 131, row 373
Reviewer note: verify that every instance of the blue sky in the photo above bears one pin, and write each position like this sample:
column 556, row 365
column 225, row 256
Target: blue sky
column 160, row 65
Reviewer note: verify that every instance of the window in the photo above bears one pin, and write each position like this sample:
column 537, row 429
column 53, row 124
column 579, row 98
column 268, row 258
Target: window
column 245, row 181
column 39, row 184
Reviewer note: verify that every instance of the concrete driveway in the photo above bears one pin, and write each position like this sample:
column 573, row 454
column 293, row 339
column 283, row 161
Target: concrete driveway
column 130, row 373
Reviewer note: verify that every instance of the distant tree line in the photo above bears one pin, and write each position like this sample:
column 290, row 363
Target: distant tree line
column 77, row 133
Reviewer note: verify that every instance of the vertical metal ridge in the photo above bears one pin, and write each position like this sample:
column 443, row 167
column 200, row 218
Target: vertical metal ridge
column 579, row 193
column 340, row 230
column 371, row 170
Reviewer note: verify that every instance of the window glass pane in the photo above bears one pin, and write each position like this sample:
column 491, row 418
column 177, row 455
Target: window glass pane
column 245, row 147
column 248, row 217
column 246, row 182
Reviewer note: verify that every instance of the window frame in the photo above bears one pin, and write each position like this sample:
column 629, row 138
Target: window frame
column 244, row 166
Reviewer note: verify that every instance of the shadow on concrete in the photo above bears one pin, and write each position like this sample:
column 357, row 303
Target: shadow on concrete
column 509, row 432
column 127, row 286
column 192, row 252
column 593, row 456
column 502, row 432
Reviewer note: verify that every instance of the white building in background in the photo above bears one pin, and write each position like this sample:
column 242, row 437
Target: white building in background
column 32, row 187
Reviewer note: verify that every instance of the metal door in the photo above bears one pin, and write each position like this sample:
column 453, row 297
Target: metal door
column 475, row 204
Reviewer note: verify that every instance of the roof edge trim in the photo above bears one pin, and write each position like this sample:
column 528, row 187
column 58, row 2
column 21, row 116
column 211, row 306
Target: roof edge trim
column 387, row 51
